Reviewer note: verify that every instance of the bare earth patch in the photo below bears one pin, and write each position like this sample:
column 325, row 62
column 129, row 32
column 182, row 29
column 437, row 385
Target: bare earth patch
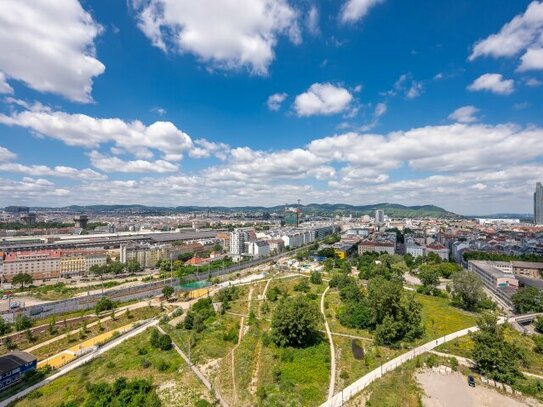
column 452, row 390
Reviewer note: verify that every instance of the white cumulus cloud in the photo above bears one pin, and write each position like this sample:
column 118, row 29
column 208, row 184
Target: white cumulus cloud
column 115, row 164
column 322, row 99
column 274, row 101
column 522, row 34
column 465, row 114
column 49, row 45
column 354, row 10
column 224, row 34
column 493, row 82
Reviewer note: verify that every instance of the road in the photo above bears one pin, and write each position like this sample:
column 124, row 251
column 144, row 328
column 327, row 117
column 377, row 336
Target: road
column 354, row 388
column 332, row 383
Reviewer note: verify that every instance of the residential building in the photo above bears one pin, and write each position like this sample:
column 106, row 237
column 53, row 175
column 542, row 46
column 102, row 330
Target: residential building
column 379, row 217
column 259, row 249
column 74, row 262
column 415, row 249
column 145, row 254
column 438, row 249
column 377, row 247
column 276, row 245
column 41, row 265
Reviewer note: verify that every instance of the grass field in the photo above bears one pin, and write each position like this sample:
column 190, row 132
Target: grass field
column 175, row 383
column 440, row 318
column 532, row 361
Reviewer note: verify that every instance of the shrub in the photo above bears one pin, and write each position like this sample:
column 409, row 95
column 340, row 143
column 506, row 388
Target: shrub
column 165, row 342
column 104, row 304
column 145, row 363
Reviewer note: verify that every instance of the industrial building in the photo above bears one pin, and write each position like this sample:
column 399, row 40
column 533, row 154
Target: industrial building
column 13, row 366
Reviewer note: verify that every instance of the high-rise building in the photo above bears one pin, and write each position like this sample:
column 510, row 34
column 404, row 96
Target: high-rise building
column 379, row 216
column 538, row 204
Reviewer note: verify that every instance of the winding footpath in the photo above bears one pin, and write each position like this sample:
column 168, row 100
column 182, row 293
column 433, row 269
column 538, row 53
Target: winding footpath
column 331, row 386
column 353, row 389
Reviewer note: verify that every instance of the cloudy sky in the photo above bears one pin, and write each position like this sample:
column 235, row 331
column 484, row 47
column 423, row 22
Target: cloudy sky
column 261, row 102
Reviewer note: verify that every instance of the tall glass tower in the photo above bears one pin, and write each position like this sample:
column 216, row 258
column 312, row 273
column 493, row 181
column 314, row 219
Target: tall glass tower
column 538, row 204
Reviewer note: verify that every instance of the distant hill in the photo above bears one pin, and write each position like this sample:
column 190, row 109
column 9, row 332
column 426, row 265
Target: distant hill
column 390, row 209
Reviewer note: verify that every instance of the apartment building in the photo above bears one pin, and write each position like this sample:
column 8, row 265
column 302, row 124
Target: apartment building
column 41, row 265
column 75, row 262
column 146, row 255
column 377, row 247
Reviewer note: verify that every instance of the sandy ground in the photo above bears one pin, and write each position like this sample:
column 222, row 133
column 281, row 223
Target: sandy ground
column 453, row 391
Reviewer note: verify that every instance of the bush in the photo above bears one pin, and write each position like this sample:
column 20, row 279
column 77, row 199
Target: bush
column 165, row 342
column 316, row 277
column 163, row 366
column 22, row 322
column 142, row 351
column 104, row 304
column 145, row 363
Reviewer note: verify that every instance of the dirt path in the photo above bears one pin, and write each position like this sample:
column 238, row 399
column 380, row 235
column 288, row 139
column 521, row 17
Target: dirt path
column 240, row 335
column 332, row 349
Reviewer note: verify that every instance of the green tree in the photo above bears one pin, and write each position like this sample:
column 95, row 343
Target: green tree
column 154, row 338
column 448, row 269
column 467, row 290
column 104, row 304
column 22, row 322
column 165, row 342
column 539, row 325
column 316, row 277
column 295, row 322
column 167, row 292
column 133, row 266
column 429, row 277
column 409, row 260
column 5, row 327
column 116, row 267
column 494, row 356
column 528, row 299
column 22, row 278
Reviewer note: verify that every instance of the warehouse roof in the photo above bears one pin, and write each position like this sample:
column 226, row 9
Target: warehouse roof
column 13, row 360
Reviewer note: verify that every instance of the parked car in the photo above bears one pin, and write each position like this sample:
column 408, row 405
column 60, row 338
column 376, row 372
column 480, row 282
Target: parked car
column 471, row 381
column 14, row 305
column 5, row 297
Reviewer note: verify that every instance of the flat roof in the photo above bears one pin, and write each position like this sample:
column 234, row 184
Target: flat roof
column 13, row 360
column 488, row 267
column 527, row 264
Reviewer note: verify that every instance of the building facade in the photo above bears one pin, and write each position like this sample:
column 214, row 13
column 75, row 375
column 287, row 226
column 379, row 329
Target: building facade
column 13, row 367
column 538, row 204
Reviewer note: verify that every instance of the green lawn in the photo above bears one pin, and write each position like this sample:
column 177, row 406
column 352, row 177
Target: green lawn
column 209, row 344
column 350, row 369
column 441, row 318
column 175, row 383
column 396, row 389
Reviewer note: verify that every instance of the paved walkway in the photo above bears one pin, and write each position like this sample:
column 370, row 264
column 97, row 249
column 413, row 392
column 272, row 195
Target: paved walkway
column 79, row 362
column 354, row 388
column 332, row 383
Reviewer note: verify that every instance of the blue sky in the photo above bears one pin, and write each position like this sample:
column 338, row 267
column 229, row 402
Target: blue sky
column 241, row 102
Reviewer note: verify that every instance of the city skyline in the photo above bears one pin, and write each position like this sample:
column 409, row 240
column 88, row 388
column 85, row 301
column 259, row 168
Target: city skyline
column 170, row 104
